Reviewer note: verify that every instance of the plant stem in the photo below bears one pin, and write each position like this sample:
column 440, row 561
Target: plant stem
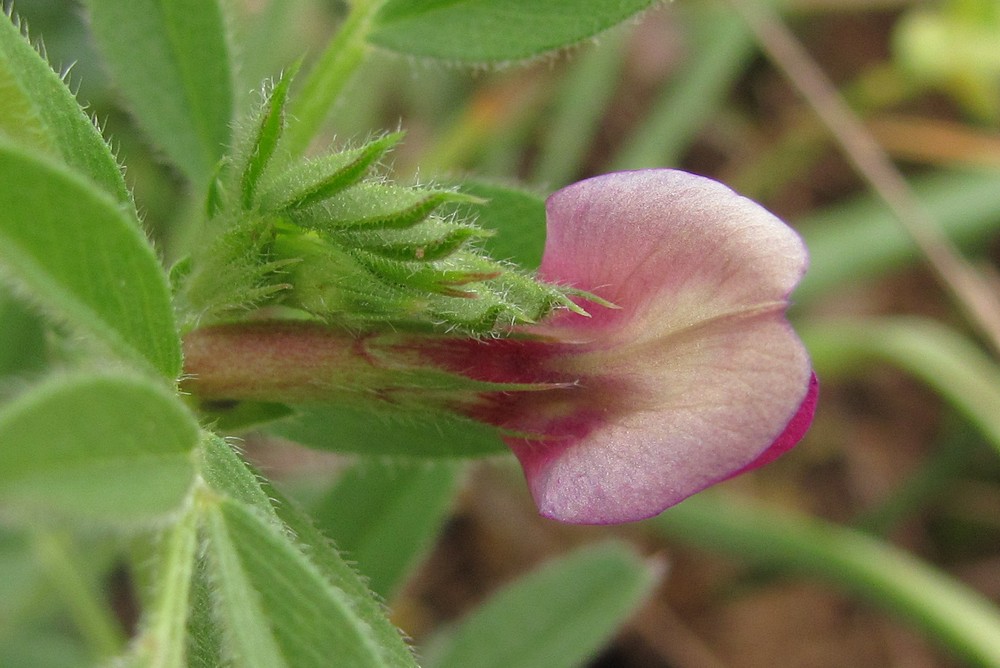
column 972, row 292
column 328, row 77
column 163, row 642
column 94, row 620
column 957, row 616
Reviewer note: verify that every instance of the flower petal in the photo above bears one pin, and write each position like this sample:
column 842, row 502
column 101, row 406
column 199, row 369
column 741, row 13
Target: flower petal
column 670, row 248
column 725, row 395
column 698, row 374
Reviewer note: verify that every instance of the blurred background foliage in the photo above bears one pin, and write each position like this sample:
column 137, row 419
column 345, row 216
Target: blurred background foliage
column 807, row 562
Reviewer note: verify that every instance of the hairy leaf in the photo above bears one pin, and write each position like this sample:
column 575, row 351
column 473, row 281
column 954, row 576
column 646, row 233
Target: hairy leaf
column 383, row 516
column 84, row 259
column 283, row 595
column 37, row 110
column 494, row 31
column 353, row 430
column 559, row 616
column 105, row 448
column 171, row 60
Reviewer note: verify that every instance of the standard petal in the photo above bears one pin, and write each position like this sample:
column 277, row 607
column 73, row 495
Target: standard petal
column 670, row 248
column 708, row 402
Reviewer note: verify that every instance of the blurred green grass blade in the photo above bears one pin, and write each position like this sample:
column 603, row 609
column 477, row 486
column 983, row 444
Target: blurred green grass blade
column 934, row 478
column 494, row 31
column 384, row 516
column 111, row 449
column 311, row 555
column 38, row 111
column 581, row 103
column 52, row 603
column 720, row 52
column 326, row 80
column 171, row 60
column 84, row 259
column 81, row 595
column 558, row 616
column 851, row 242
column 343, row 429
column 276, row 606
column 948, row 362
column 954, row 615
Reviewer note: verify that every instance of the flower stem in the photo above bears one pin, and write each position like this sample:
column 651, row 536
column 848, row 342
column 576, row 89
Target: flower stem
column 958, row 617
column 328, row 77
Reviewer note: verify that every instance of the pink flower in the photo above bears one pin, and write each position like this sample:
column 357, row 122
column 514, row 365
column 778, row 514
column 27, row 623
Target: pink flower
column 695, row 378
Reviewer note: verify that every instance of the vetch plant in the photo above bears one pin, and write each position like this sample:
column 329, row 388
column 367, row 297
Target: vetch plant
column 685, row 371
column 312, row 294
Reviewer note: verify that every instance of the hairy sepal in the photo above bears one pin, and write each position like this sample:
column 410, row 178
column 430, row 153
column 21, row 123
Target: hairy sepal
column 334, row 239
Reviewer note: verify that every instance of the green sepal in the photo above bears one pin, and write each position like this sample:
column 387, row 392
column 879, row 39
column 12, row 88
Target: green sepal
column 259, row 147
column 364, row 291
column 333, row 241
column 332, row 285
column 447, row 276
column 377, row 205
column 232, row 274
column 428, row 241
column 314, row 180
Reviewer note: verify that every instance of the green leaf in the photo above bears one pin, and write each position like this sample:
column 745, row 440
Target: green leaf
column 384, row 515
column 84, row 259
column 224, row 472
column 242, row 610
column 494, row 31
column 243, row 416
column 275, row 604
column 518, row 216
column 38, row 111
column 561, row 615
column 367, row 433
column 204, row 641
column 308, row 560
column 106, row 448
column 22, row 338
column 171, row 60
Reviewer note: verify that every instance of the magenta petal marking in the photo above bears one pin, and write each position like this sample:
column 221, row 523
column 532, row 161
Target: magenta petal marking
column 793, row 433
